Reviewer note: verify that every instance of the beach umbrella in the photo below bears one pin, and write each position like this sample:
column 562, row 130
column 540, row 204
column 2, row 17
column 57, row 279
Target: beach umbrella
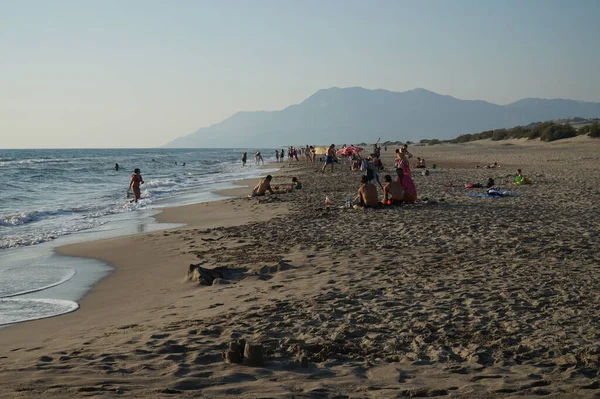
column 351, row 149
column 320, row 150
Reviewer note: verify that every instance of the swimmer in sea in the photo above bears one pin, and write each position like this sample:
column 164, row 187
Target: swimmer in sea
column 136, row 181
column 117, row 167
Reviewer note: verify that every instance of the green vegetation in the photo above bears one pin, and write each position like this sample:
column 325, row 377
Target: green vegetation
column 546, row 131
column 590, row 130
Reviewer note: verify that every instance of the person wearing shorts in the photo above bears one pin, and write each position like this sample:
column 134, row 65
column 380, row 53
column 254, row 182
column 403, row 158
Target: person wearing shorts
column 329, row 158
column 393, row 194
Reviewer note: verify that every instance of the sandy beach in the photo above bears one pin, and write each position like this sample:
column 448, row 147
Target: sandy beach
column 459, row 296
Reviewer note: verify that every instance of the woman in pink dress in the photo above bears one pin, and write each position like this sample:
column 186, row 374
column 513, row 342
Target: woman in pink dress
column 404, row 155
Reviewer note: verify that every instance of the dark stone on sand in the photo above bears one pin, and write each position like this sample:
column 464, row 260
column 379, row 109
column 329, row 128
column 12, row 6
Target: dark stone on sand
column 46, row 359
column 234, row 354
column 170, row 391
column 253, row 355
column 302, row 361
column 207, row 276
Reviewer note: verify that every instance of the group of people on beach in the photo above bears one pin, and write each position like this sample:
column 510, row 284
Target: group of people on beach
column 264, row 186
column 396, row 191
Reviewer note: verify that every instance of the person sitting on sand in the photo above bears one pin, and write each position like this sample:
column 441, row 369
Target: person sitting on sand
column 367, row 194
column 421, row 163
column 520, row 179
column 295, row 184
column 490, row 183
column 493, row 166
column 410, row 191
column 262, row 187
column 356, row 164
column 393, row 194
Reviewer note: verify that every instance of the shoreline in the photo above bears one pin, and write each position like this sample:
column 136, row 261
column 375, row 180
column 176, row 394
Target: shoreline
column 89, row 271
column 416, row 299
column 206, row 215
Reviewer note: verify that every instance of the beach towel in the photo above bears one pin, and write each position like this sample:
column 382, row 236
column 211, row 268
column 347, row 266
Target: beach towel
column 495, row 194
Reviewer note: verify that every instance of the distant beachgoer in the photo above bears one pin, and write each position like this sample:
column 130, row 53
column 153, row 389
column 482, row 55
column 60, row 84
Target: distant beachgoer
column 376, row 148
column 520, row 179
column 244, row 158
column 372, row 171
column 377, row 162
column 282, row 153
column 367, row 194
column 404, row 156
column 262, row 187
column 295, row 154
column 393, row 194
column 410, row 191
column 420, row 163
column 492, row 166
column 307, row 154
column 385, row 148
column 490, row 183
column 134, row 185
column 313, row 154
column 183, row 164
column 175, row 162
column 153, row 160
column 117, row 167
column 277, row 155
column 258, row 158
column 329, row 158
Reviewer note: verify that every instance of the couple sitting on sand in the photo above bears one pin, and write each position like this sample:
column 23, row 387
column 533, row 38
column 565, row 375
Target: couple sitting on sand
column 394, row 192
column 264, row 185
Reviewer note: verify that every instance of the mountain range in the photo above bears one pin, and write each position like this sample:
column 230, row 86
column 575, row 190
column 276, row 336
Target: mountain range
column 355, row 114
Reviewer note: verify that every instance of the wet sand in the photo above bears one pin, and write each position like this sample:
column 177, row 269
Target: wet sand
column 459, row 296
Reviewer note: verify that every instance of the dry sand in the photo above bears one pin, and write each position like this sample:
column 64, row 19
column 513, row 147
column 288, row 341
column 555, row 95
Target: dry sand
column 468, row 297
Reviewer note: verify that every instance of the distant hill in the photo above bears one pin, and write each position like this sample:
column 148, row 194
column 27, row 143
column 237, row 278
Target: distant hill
column 358, row 115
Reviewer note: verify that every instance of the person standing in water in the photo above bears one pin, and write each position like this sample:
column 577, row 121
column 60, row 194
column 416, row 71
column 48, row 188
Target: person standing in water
column 277, row 155
column 136, row 181
column 117, row 167
column 244, row 158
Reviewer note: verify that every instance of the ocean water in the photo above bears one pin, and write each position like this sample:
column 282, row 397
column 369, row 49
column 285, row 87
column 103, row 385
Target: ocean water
column 54, row 197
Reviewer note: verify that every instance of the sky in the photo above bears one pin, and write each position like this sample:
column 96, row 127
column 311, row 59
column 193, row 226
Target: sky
column 139, row 73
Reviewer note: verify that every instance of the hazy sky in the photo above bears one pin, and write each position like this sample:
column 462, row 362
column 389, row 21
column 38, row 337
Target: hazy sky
column 139, row 73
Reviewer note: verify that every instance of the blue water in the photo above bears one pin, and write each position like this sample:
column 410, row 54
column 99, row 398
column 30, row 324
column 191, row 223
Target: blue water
column 54, row 197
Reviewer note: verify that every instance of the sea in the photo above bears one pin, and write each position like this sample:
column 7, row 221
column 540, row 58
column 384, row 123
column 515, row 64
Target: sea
column 50, row 198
